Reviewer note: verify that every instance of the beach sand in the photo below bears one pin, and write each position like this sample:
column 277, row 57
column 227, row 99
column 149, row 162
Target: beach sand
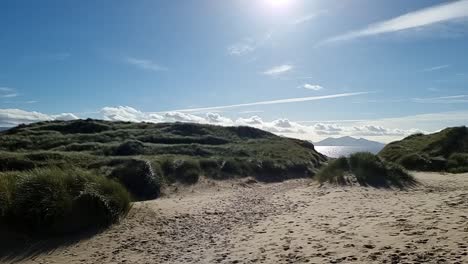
column 296, row 221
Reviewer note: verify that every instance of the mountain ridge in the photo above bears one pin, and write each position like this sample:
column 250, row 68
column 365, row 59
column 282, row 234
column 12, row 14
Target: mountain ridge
column 349, row 141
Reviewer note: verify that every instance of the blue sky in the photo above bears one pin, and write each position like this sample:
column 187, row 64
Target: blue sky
column 308, row 69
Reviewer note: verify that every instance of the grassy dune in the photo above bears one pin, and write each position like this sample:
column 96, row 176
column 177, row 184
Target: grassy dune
column 446, row 150
column 64, row 176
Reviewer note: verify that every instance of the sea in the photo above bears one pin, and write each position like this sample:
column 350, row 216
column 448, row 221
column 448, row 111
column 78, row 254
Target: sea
column 338, row 151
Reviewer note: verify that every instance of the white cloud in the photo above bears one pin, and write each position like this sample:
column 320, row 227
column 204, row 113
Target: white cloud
column 428, row 16
column 436, row 68
column 327, row 129
column 277, row 70
column 182, row 117
column 242, row 48
column 285, row 123
column 372, row 130
column 216, row 118
column 65, row 117
column 254, row 120
column 280, row 101
column 314, row 87
column 13, row 117
column 145, row 64
column 127, row 113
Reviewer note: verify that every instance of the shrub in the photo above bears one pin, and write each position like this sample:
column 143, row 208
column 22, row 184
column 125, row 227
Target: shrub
column 183, row 170
column 271, row 170
column 415, row 161
column 232, row 167
column 366, row 169
column 139, row 178
column 52, row 200
column 334, row 172
column 130, row 148
column 187, row 171
column 100, row 204
column 458, row 163
column 210, row 167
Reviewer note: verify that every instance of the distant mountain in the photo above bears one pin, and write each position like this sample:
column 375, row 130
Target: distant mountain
column 4, row 128
column 350, row 142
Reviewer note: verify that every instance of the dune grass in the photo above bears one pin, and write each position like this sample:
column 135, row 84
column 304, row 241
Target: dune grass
column 366, row 169
column 53, row 200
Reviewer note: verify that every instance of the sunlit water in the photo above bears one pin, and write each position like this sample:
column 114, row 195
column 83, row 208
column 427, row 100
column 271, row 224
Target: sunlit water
column 338, row 151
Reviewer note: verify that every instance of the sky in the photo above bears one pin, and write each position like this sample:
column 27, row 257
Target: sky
column 308, row 69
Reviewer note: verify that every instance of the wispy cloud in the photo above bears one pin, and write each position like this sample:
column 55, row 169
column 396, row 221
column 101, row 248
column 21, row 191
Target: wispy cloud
column 443, row 99
column 248, row 45
column 5, row 89
column 60, row 56
column 251, row 112
column 424, row 17
column 277, row 70
column 6, row 92
column 309, row 86
column 145, row 64
column 280, row 101
column 304, row 19
column 436, row 68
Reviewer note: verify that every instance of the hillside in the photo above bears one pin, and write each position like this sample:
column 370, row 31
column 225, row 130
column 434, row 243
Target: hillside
column 95, row 144
column 446, row 150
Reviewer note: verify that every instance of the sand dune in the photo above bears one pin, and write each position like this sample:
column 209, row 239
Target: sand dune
column 296, row 221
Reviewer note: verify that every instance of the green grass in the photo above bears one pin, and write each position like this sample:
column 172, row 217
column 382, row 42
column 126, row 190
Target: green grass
column 50, row 172
column 53, row 200
column 430, row 152
column 366, row 169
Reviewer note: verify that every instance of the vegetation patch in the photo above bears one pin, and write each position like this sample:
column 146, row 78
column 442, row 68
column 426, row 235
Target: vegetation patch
column 52, row 171
column 365, row 169
column 54, row 201
column 442, row 151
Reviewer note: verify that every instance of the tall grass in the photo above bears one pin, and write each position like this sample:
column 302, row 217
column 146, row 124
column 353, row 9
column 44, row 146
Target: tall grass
column 53, row 200
column 140, row 178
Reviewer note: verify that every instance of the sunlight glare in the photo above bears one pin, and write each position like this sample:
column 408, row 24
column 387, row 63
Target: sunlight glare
column 279, row 3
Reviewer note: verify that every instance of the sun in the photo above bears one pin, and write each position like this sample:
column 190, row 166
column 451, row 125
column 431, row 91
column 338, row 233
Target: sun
column 278, row 3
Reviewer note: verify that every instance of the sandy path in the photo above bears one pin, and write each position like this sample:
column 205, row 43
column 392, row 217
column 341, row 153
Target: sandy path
column 291, row 222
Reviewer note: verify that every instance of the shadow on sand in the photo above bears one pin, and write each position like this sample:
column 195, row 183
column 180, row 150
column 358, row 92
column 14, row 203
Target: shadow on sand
column 15, row 247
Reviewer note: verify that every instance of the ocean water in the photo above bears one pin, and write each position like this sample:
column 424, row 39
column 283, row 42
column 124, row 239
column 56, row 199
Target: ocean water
column 338, row 151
